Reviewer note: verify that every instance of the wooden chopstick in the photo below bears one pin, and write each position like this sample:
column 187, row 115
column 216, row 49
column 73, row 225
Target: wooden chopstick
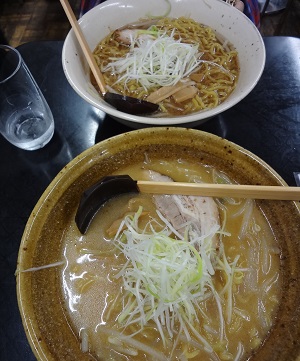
column 84, row 46
column 221, row 190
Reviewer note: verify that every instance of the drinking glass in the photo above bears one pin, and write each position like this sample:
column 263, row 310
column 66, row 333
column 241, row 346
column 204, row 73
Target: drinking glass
column 26, row 120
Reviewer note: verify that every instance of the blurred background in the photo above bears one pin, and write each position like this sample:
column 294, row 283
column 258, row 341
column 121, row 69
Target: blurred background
column 23, row 21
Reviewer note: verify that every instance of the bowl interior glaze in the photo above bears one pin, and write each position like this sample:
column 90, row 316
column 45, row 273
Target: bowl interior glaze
column 39, row 293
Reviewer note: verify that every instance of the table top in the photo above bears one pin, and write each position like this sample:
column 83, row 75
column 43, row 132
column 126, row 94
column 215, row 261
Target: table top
column 266, row 122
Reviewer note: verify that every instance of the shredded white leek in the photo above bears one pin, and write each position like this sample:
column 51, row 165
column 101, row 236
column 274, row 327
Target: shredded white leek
column 158, row 60
column 84, row 340
column 156, row 355
column 240, row 351
column 33, row 269
column 165, row 279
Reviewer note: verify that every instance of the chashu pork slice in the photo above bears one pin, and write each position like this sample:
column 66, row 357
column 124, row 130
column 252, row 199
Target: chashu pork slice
column 201, row 214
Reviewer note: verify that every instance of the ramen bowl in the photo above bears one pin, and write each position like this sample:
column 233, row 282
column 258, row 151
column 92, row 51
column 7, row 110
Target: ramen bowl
column 48, row 311
column 230, row 23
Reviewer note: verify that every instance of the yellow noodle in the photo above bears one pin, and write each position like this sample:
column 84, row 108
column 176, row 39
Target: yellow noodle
column 219, row 71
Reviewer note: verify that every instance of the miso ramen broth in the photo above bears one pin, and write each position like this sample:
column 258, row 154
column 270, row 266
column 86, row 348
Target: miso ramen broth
column 177, row 63
column 224, row 314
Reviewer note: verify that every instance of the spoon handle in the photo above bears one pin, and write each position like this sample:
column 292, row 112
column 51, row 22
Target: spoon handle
column 84, row 46
column 221, row 190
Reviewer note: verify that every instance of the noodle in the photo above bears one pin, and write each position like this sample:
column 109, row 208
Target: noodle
column 213, row 75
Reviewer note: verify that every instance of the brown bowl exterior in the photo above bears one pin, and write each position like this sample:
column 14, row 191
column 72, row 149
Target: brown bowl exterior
column 39, row 295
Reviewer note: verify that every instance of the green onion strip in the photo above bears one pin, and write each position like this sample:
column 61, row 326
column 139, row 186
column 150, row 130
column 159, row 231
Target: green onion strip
column 165, row 279
column 156, row 60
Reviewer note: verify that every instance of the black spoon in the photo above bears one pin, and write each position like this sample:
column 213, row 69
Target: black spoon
column 94, row 197
column 130, row 105
column 123, row 103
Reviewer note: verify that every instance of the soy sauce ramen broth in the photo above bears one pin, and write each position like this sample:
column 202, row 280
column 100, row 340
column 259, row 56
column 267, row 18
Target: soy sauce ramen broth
column 193, row 54
column 94, row 296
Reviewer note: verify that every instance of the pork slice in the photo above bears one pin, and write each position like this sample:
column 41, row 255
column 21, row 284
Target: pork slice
column 201, row 214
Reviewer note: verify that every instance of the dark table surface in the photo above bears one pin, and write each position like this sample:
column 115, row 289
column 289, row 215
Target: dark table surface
column 266, row 122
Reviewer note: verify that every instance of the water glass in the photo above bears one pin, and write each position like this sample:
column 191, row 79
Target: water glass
column 26, row 120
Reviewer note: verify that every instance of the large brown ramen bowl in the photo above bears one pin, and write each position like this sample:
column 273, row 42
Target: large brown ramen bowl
column 40, row 296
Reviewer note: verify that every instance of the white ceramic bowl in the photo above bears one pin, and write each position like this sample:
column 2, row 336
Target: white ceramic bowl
column 220, row 16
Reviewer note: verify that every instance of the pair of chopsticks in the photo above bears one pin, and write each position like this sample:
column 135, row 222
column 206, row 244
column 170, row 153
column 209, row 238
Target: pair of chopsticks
column 84, row 45
column 221, row 190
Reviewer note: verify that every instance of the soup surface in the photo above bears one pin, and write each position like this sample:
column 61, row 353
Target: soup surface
column 136, row 288
column 174, row 62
